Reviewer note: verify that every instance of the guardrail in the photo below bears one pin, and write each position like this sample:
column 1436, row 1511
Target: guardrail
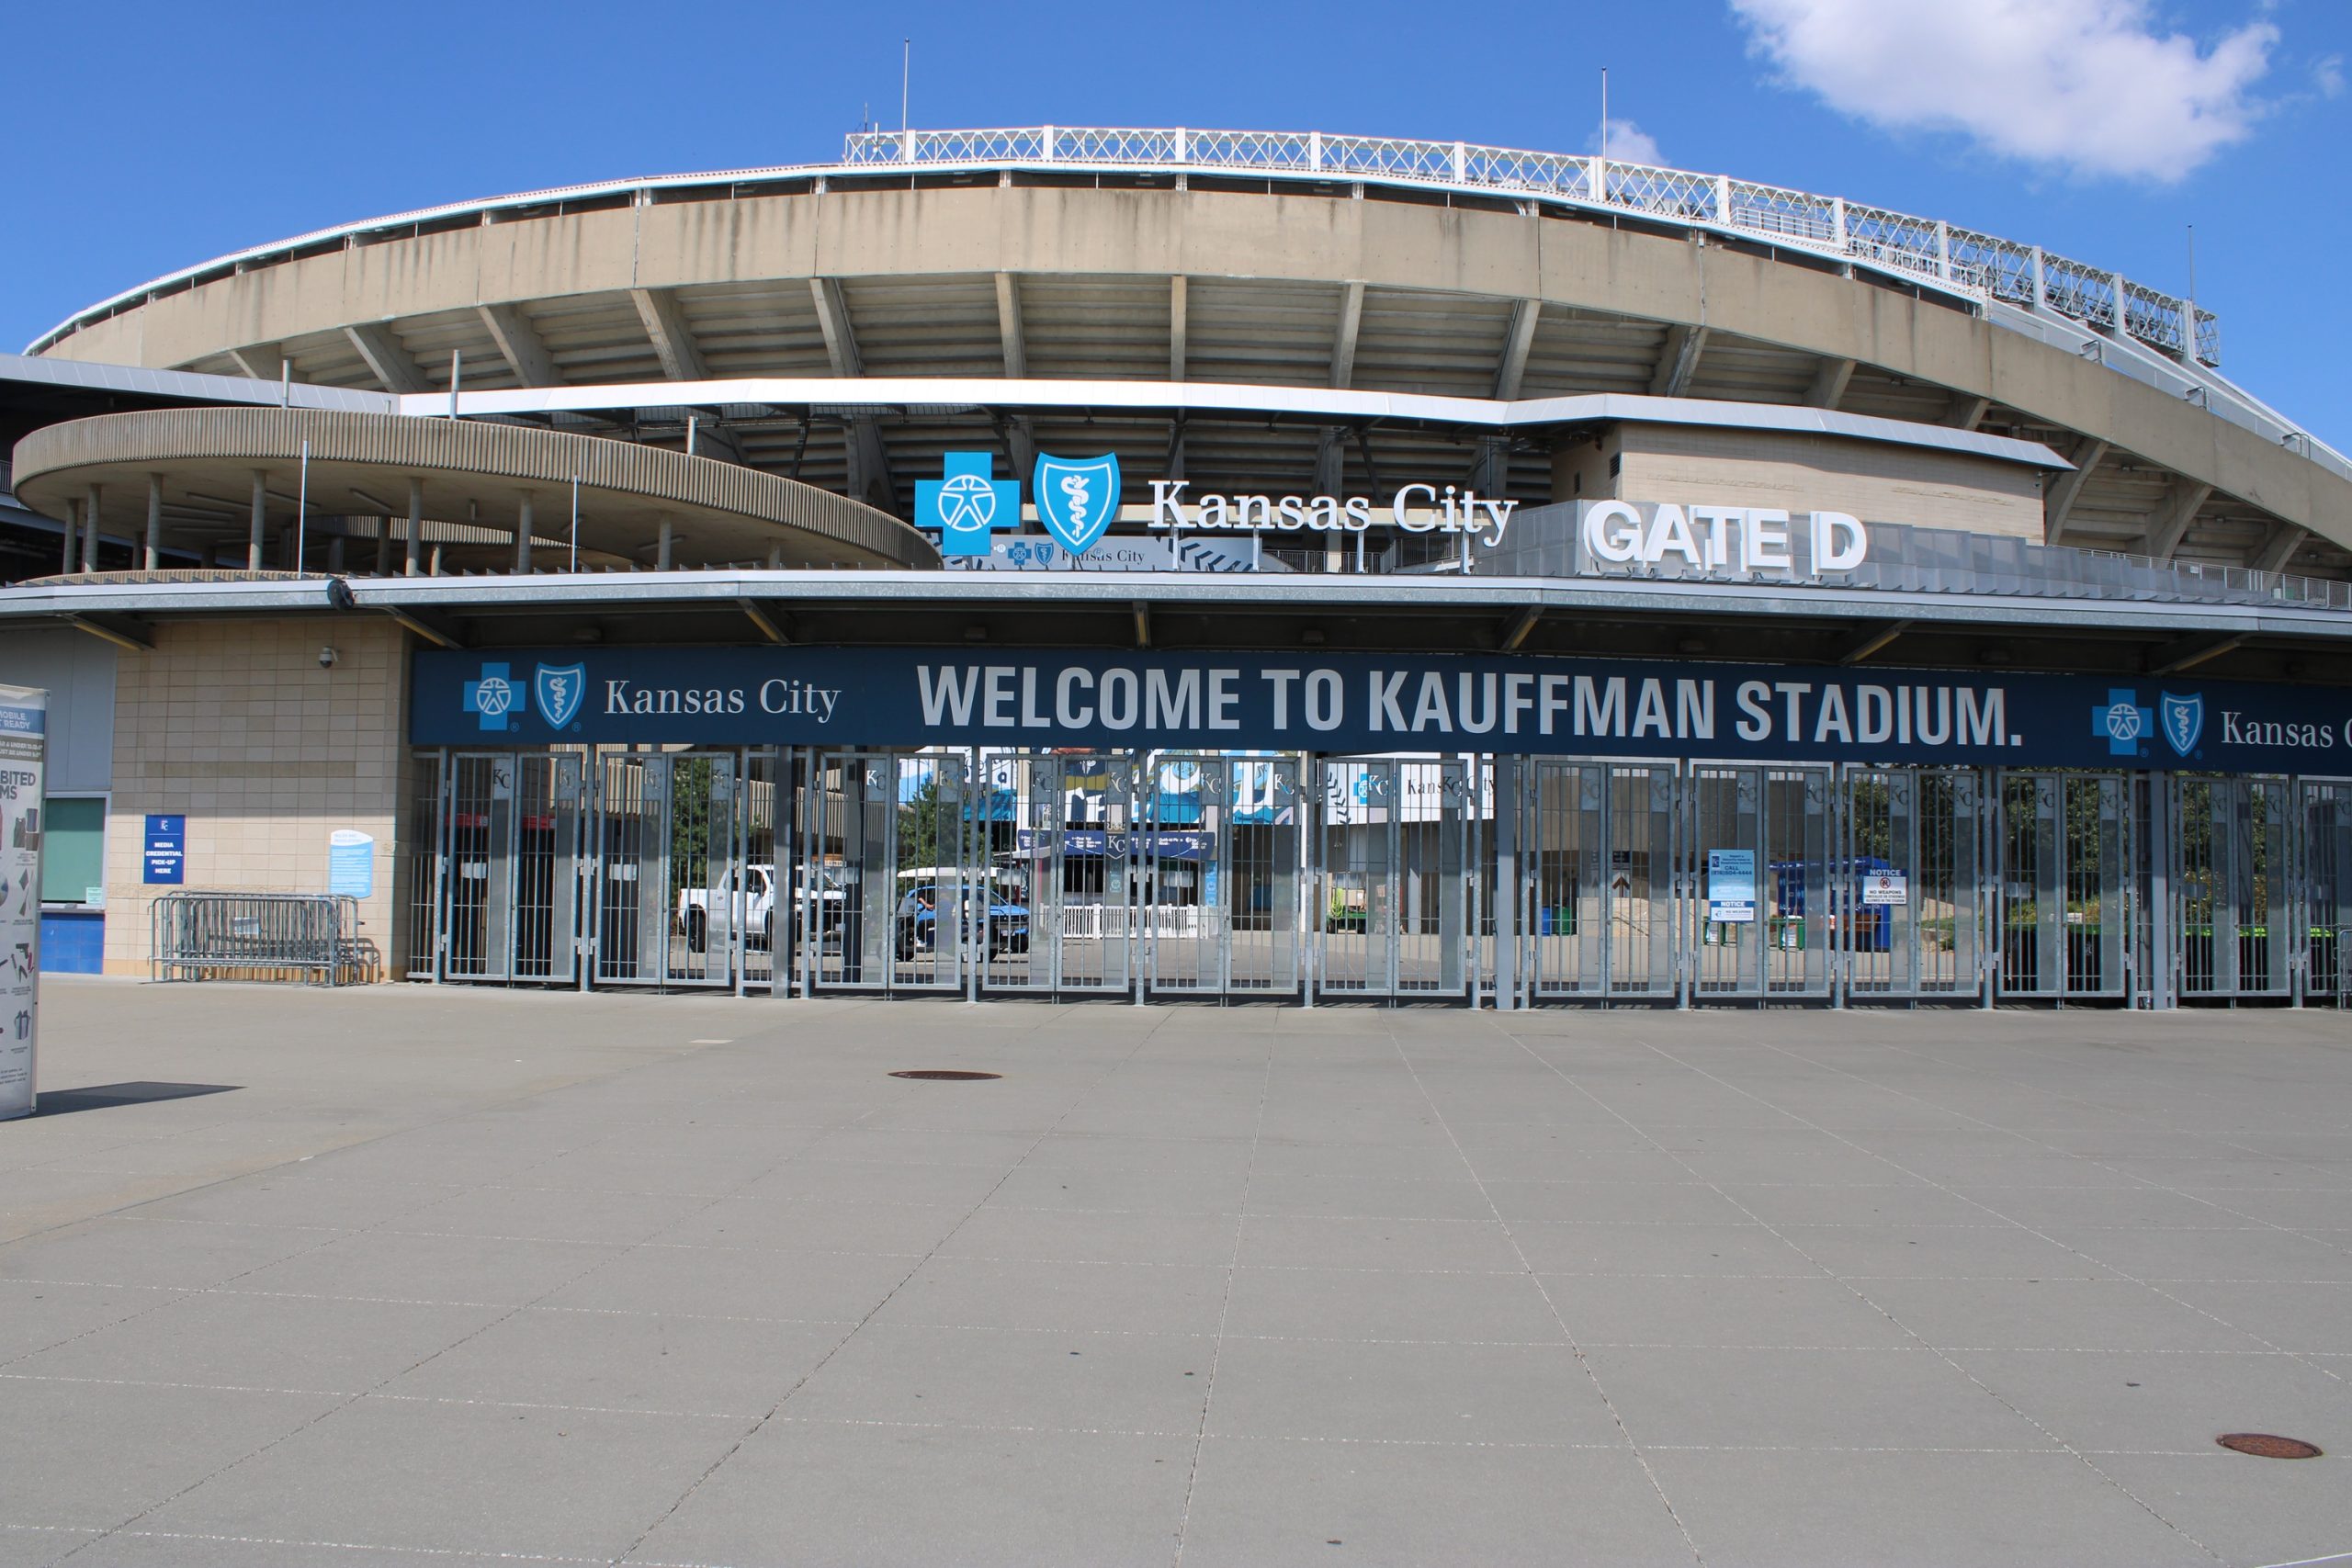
column 256, row 936
column 1964, row 260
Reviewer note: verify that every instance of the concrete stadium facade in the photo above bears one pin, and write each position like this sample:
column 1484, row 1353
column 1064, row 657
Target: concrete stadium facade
column 633, row 433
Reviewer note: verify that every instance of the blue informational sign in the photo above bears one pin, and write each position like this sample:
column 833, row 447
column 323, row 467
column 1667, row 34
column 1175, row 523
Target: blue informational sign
column 163, row 851
column 1365, row 702
column 1731, row 886
column 351, row 863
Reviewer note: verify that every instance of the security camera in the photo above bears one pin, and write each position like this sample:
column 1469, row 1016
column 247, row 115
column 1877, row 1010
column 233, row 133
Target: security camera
column 326, row 659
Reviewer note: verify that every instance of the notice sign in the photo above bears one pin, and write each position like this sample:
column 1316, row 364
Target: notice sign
column 351, row 863
column 164, row 854
column 24, row 722
column 1731, row 886
column 1886, row 888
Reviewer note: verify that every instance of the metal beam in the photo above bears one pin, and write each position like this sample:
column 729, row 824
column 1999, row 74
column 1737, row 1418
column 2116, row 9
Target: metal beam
column 768, row 625
column 1143, row 623
column 124, row 631
column 1861, row 645
column 385, row 358
column 2192, row 651
column 519, row 342
column 1678, row 362
column 1179, row 292
column 832, row 320
column 1008, row 326
column 674, row 341
column 1344, row 342
column 1516, row 340
column 2067, row 488
column 1330, row 459
column 1522, row 626
column 1966, row 411
column 429, row 626
column 2170, row 527
column 2276, row 551
column 1829, row 383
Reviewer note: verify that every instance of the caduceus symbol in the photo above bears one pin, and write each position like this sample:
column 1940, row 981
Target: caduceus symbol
column 1074, row 487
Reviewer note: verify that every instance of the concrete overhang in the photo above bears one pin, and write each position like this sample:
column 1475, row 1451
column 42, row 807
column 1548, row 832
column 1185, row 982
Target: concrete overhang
column 205, row 461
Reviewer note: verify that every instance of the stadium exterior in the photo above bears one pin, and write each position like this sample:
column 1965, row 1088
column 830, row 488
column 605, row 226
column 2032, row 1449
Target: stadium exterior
column 1152, row 564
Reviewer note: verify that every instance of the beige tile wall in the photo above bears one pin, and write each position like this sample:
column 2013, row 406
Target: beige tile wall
column 235, row 724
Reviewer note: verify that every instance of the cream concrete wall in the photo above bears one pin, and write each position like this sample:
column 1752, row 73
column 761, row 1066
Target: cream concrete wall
column 1873, row 480
column 1388, row 244
column 234, row 724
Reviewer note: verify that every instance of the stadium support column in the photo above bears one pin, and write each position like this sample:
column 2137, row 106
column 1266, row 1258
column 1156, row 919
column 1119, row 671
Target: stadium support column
column 2156, row 963
column 261, row 511
column 72, row 537
column 415, row 526
column 154, row 551
column 664, row 550
column 523, row 538
column 90, row 531
column 1506, row 890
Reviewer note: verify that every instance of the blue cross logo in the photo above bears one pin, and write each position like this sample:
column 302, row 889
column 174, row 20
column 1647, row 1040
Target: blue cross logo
column 2122, row 721
column 967, row 504
column 495, row 699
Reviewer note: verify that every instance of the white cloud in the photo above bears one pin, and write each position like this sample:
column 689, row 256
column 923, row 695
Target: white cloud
column 2087, row 84
column 1628, row 143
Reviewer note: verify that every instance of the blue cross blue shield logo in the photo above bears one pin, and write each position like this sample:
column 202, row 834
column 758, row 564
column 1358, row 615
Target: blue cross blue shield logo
column 560, row 688
column 2122, row 721
column 966, row 505
column 495, row 699
column 1077, row 498
column 2184, row 721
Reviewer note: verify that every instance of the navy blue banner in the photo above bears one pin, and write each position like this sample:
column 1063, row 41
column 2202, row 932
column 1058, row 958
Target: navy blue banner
column 852, row 697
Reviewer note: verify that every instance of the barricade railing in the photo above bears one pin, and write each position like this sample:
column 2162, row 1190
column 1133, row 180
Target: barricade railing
column 256, row 936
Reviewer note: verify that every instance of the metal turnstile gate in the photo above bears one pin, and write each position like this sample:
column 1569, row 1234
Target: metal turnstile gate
column 1217, row 901
column 1760, row 904
column 2065, row 903
column 890, row 834
column 667, row 869
column 1392, row 907
column 507, row 881
column 1074, row 853
column 2325, row 832
column 2231, row 915
column 1596, row 917
column 1907, row 899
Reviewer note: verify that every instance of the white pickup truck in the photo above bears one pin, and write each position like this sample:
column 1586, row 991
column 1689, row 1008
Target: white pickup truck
column 749, row 898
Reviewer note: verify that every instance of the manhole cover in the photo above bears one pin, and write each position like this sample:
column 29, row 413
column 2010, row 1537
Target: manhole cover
column 943, row 1074
column 2262, row 1444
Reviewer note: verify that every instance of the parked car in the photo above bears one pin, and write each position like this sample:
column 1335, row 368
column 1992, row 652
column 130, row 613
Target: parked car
column 749, row 897
column 1007, row 927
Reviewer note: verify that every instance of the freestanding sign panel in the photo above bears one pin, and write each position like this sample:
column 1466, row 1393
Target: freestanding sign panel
column 24, row 716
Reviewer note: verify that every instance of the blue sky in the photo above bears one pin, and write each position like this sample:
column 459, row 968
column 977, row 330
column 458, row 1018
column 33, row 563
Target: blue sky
column 149, row 137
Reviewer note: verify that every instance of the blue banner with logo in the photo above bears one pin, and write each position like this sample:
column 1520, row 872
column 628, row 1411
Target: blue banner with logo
column 852, row 697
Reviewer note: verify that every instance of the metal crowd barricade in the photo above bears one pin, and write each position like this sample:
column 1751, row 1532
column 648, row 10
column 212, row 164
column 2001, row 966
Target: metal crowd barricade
column 255, row 936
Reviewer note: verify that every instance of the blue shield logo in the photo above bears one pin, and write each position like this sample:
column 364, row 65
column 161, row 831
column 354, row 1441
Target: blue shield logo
column 2184, row 721
column 1077, row 498
column 560, row 689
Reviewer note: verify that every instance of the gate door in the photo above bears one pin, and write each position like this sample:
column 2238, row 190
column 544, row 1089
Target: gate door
column 890, row 836
column 2231, row 912
column 1218, row 868
column 2327, row 889
column 2065, row 878
column 1598, row 848
column 511, row 883
column 1392, row 906
column 1908, row 908
column 1072, row 862
column 1760, row 901
column 667, row 873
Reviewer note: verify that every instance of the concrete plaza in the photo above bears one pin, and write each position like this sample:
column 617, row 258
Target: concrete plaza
column 409, row 1276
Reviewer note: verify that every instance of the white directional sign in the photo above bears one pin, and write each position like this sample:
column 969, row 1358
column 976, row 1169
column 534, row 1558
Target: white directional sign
column 24, row 722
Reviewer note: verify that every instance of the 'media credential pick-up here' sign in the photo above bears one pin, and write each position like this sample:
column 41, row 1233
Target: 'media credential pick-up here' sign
column 852, row 697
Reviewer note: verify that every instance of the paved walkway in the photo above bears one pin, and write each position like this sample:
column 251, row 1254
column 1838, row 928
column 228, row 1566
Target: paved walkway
column 450, row 1278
